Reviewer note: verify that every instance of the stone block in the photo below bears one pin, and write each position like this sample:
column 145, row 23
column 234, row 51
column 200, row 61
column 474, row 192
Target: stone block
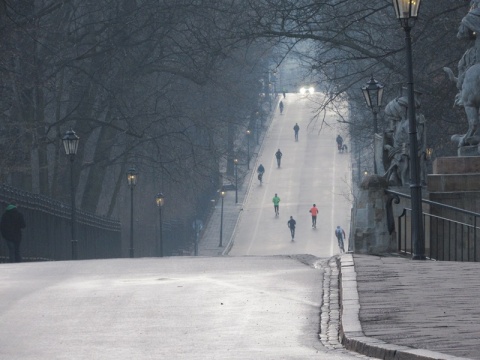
column 457, row 165
column 453, row 183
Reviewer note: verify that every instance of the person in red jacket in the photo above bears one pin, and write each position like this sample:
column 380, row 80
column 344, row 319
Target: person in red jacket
column 314, row 212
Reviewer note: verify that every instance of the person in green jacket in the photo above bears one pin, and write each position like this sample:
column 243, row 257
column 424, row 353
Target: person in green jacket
column 276, row 201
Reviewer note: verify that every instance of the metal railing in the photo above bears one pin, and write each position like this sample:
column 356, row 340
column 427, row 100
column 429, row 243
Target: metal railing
column 447, row 238
column 48, row 236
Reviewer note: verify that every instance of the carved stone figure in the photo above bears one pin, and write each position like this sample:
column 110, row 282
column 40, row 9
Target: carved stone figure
column 468, row 80
column 397, row 141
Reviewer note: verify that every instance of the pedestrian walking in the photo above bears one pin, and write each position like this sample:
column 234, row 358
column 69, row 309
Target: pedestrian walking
column 314, row 212
column 278, row 155
column 260, row 171
column 340, row 234
column 291, row 225
column 276, row 202
column 281, row 107
column 339, row 141
column 11, row 226
column 296, row 128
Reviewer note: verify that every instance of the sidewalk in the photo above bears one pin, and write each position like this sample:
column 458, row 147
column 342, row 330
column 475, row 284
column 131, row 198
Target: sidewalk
column 397, row 308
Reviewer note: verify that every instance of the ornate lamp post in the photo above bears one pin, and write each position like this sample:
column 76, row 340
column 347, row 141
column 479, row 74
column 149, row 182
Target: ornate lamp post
column 407, row 12
column 160, row 200
column 248, row 149
column 222, row 195
column 373, row 93
column 235, row 162
column 132, row 181
column 70, row 143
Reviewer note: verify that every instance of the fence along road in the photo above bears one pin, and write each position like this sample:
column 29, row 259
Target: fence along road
column 312, row 171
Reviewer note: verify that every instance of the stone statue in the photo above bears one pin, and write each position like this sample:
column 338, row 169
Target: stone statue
column 396, row 156
column 468, row 80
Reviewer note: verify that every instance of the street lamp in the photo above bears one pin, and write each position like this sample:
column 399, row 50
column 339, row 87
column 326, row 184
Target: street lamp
column 70, row 143
column 428, row 153
column 373, row 93
column 407, row 12
column 160, row 200
column 248, row 149
column 235, row 162
column 365, row 173
column 222, row 195
column 132, row 181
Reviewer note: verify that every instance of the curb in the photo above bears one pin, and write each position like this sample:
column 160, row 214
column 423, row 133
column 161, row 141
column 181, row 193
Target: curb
column 351, row 333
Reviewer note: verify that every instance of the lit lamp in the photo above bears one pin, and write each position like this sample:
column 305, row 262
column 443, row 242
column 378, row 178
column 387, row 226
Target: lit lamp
column 407, row 13
column 160, row 201
column 428, row 153
column 132, row 181
column 222, row 195
column 365, row 172
column 70, row 143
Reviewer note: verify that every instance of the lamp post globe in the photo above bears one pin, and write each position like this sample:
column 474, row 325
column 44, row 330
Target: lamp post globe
column 132, row 182
column 160, row 201
column 407, row 13
column 70, row 143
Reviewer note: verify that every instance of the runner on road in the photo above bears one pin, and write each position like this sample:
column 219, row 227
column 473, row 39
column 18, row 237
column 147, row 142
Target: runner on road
column 278, row 155
column 291, row 225
column 340, row 234
column 296, row 128
column 314, row 212
column 260, row 172
column 276, row 201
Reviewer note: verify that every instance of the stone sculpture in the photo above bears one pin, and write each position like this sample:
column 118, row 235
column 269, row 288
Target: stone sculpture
column 468, row 80
column 396, row 156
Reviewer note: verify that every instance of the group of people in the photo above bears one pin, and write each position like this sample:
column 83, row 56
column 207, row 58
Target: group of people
column 296, row 128
column 292, row 223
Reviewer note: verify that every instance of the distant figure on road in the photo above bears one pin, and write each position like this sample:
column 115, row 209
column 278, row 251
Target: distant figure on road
column 314, row 212
column 281, row 107
column 340, row 234
column 11, row 226
column 296, row 128
column 291, row 225
column 278, row 155
column 284, row 94
column 339, row 142
column 276, row 202
column 260, row 171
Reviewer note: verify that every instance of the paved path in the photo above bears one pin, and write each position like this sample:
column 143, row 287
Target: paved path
column 392, row 307
column 424, row 305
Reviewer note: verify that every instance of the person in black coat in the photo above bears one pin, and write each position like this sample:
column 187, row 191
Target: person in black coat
column 11, row 226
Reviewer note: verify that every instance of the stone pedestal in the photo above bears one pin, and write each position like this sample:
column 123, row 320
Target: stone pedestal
column 456, row 182
column 456, row 179
column 370, row 219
